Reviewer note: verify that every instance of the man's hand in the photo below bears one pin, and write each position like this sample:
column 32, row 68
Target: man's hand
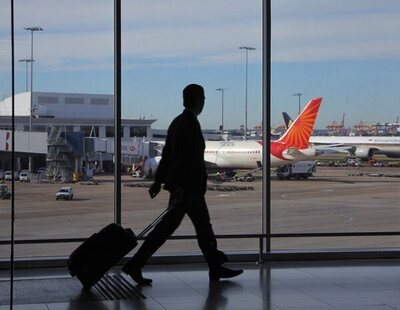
column 154, row 189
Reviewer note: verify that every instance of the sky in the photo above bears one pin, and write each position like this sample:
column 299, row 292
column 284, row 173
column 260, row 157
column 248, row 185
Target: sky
column 347, row 51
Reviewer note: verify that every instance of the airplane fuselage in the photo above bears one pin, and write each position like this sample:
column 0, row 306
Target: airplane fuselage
column 364, row 147
column 233, row 154
column 356, row 140
column 248, row 154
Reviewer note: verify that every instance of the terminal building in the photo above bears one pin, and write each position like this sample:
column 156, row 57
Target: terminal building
column 72, row 119
column 83, row 123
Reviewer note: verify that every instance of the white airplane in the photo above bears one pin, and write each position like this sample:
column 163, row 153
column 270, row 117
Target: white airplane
column 293, row 146
column 363, row 147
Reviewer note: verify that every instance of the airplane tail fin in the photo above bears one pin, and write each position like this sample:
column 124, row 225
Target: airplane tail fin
column 299, row 133
column 288, row 120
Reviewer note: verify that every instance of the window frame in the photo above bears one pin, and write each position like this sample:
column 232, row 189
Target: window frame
column 265, row 236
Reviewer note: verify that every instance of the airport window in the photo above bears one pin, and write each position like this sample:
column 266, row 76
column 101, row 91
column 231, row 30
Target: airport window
column 59, row 159
column 47, row 100
column 159, row 136
column 136, row 131
column 344, row 193
column 158, row 92
column 90, row 131
column 74, row 100
column 99, row 101
column 109, row 132
column 39, row 128
column 349, row 192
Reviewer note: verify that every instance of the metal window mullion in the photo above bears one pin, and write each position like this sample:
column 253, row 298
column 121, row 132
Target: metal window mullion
column 266, row 108
column 117, row 111
column 231, row 236
column 12, row 158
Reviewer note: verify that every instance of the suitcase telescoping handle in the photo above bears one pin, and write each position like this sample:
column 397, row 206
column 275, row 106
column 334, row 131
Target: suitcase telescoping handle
column 157, row 220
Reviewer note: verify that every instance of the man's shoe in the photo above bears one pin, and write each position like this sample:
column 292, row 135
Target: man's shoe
column 224, row 273
column 136, row 274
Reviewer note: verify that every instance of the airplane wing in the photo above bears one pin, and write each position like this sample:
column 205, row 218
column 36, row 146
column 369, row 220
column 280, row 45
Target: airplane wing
column 330, row 149
column 210, row 164
column 159, row 146
column 293, row 153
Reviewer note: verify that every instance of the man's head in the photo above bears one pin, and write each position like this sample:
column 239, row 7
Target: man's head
column 193, row 98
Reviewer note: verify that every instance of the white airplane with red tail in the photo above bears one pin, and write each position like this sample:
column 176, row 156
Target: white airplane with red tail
column 291, row 147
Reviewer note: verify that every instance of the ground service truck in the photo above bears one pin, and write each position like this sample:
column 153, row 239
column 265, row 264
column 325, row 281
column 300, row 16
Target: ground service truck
column 299, row 170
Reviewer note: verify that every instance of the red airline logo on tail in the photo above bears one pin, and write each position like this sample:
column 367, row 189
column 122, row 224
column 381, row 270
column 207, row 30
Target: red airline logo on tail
column 298, row 135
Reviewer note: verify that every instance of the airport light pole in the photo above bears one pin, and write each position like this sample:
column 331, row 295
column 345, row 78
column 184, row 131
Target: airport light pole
column 247, row 49
column 222, row 108
column 26, row 61
column 32, row 30
column 299, row 95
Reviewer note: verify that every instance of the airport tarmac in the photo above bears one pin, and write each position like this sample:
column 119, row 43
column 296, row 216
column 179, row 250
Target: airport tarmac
column 340, row 199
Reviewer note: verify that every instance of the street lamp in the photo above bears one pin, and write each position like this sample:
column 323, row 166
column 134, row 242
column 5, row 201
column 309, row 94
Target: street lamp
column 222, row 105
column 26, row 61
column 247, row 49
column 299, row 95
column 32, row 30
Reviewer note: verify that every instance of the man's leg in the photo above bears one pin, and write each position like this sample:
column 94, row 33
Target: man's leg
column 198, row 213
column 156, row 238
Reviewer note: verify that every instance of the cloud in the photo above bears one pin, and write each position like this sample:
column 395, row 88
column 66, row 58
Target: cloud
column 180, row 31
column 204, row 32
column 335, row 30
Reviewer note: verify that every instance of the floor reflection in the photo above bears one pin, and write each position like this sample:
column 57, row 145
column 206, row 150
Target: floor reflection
column 218, row 294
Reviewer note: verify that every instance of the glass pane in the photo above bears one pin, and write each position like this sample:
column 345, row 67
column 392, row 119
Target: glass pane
column 60, row 131
column 5, row 125
column 344, row 52
column 195, row 42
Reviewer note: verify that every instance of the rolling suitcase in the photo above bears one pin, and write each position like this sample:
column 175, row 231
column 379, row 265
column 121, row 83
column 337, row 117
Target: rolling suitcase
column 101, row 251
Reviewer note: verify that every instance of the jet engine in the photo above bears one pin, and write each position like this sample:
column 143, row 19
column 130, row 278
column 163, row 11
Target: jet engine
column 364, row 153
column 150, row 167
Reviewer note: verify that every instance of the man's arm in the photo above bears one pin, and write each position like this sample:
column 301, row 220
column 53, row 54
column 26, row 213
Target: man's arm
column 163, row 166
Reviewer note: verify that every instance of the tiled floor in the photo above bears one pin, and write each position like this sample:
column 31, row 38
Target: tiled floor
column 349, row 285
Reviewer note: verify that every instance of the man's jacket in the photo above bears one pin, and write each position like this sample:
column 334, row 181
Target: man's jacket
column 182, row 162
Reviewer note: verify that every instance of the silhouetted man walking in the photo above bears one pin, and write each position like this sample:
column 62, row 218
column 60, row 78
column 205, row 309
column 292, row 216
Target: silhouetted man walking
column 182, row 171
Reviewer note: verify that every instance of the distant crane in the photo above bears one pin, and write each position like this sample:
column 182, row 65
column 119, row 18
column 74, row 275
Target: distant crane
column 362, row 128
column 344, row 115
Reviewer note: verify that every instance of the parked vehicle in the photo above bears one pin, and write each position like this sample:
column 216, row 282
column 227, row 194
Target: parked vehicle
column 227, row 176
column 8, row 176
column 246, row 178
column 24, row 177
column 300, row 170
column 353, row 162
column 41, row 170
column 4, row 192
column 65, row 193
